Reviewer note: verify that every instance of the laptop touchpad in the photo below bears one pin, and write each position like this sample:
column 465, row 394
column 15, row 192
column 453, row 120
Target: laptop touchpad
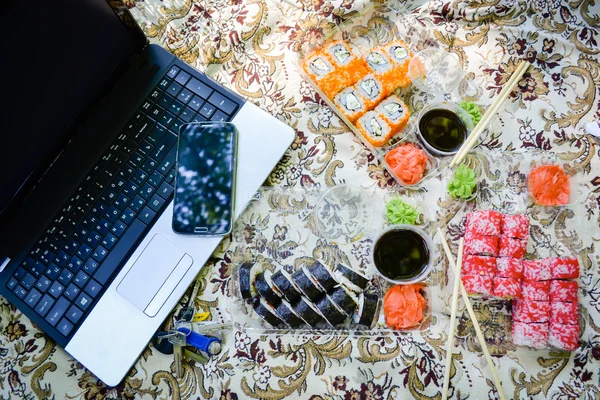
column 154, row 275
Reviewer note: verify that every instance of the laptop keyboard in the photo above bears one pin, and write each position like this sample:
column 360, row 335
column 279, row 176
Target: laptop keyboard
column 67, row 270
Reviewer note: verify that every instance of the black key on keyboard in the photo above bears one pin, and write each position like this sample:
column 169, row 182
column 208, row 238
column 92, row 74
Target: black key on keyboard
column 65, row 327
column 165, row 100
column 84, row 251
column 164, row 83
column 147, row 191
column 127, row 216
column 37, row 269
column 44, row 305
column 207, row 110
column 145, row 148
column 65, row 277
column 43, row 284
column 74, row 314
column 75, row 264
column 19, row 273
column 100, row 253
column 109, row 241
column 187, row 114
column 222, row 102
column 185, row 96
column 174, row 89
column 142, row 130
column 121, row 201
column 93, row 288
column 32, row 298
column 167, row 119
column 219, row 116
column 103, row 226
column 113, row 213
column 58, row 311
column 165, row 190
column 156, row 202
column 94, row 239
column 12, row 283
column 118, row 253
column 56, row 289
column 149, row 165
column 126, row 172
column 140, row 177
column 199, row 118
column 195, row 103
column 84, row 301
column 156, row 112
column 176, row 126
column 99, row 209
column 199, row 88
column 20, row 291
column 52, row 271
column 81, row 279
column 182, row 77
column 28, row 281
column 72, row 291
column 163, row 146
column 173, row 71
column 176, row 107
column 91, row 265
column 147, row 215
column 155, row 179
column 137, row 203
column 155, row 94
column 167, row 163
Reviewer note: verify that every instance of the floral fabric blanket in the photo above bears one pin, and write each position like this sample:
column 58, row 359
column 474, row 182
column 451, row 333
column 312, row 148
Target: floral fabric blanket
column 252, row 46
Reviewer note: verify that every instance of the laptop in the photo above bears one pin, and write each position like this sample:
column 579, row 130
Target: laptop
column 90, row 114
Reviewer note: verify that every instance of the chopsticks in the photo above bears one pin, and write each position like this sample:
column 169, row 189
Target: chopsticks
column 469, row 307
column 450, row 342
column 489, row 114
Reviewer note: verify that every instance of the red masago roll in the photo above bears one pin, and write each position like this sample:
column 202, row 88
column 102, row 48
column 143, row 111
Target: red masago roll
column 480, row 245
column 484, row 222
column 515, row 226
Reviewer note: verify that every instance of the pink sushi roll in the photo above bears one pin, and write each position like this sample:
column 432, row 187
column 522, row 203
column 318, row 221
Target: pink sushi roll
column 515, row 226
column 515, row 248
column 484, row 222
column 479, row 265
column 536, row 290
column 563, row 291
column 536, row 270
column 479, row 245
column 564, row 268
column 508, row 267
column 530, row 311
column 563, row 313
column 507, row 288
column 564, row 337
column 478, row 284
column 531, row 335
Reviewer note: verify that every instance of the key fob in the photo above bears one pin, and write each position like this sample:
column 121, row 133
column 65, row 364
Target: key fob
column 164, row 346
column 207, row 344
column 186, row 314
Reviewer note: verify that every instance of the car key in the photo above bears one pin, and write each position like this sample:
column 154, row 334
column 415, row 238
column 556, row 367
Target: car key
column 187, row 312
column 199, row 358
column 179, row 341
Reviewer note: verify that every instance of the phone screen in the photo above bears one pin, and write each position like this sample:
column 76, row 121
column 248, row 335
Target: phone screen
column 204, row 187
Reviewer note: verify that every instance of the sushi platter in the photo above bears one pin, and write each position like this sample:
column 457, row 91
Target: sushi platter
column 368, row 75
column 308, row 271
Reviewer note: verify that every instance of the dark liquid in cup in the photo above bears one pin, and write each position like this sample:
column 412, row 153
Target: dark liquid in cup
column 443, row 129
column 401, row 254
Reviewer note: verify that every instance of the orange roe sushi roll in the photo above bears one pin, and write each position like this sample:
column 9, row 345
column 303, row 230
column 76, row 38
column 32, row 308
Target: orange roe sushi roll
column 398, row 52
column 350, row 103
column 394, row 112
column 374, row 129
column 371, row 89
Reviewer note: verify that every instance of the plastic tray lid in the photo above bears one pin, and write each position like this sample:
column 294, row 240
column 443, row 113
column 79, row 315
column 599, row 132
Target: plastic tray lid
column 435, row 71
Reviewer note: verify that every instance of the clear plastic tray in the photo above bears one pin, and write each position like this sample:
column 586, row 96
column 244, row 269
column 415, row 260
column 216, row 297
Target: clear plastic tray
column 372, row 28
column 502, row 187
column 280, row 231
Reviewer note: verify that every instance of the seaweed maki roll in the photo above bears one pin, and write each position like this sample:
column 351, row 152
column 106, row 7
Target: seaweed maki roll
column 287, row 315
column 321, row 276
column 267, row 313
column 263, row 286
column 351, row 279
column 306, row 285
column 282, row 282
column 344, row 300
column 368, row 310
column 247, row 275
column 330, row 311
column 306, row 310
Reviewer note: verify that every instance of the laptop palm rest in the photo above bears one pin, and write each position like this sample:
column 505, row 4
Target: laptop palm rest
column 154, row 275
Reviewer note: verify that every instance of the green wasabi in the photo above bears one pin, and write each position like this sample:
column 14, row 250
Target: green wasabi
column 473, row 111
column 463, row 183
column 398, row 212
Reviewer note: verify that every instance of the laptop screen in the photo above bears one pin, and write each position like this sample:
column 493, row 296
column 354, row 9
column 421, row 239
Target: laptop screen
column 55, row 57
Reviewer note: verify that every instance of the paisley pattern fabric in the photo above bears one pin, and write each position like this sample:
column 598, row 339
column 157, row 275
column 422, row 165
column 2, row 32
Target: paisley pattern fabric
column 252, row 46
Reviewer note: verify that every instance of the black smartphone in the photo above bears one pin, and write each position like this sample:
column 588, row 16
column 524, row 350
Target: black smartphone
column 205, row 181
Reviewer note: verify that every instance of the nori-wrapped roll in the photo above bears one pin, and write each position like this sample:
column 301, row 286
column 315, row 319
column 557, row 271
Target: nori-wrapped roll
column 247, row 274
column 266, row 312
column 322, row 276
column 350, row 278
column 287, row 315
column 306, row 311
column 264, row 289
column 368, row 310
column 344, row 300
column 284, row 284
column 306, row 285
column 329, row 310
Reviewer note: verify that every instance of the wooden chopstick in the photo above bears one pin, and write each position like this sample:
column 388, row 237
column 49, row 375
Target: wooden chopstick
column 490, row 113
column 450, row 342
column 478, row 331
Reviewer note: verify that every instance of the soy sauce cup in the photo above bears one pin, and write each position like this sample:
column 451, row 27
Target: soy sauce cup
column 403, row 254
column 443, row 127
